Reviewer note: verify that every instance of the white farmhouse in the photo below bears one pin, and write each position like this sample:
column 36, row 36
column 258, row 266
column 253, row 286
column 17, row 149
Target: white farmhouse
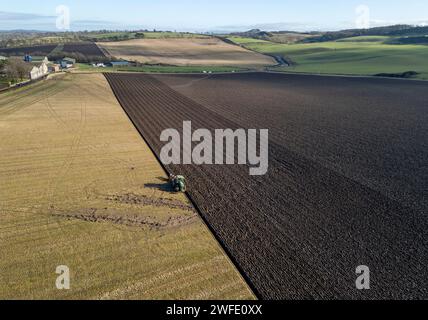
column 41, row 71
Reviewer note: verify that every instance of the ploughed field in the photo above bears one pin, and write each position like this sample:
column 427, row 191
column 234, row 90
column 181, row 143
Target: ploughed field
column 346, row 182
column 34, row 50
column 85, row 48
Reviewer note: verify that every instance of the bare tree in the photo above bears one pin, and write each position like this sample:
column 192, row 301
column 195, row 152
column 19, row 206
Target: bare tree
column 17, row 69
column 11, row 72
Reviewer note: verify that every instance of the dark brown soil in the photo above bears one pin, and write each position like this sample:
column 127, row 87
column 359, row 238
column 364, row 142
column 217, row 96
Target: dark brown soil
column 346, row 184
column 34, row 51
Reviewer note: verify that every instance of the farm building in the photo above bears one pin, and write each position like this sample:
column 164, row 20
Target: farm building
column 118, row 64
column 67, row 63
column 54, row 68
column 98, row 65
column 41, row 71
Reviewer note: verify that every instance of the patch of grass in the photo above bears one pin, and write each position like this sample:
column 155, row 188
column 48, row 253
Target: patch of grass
column 179, row 69
column 160, row 69
column 248, row 41
column 57, row 50
column 353, row 56
column 379, row 39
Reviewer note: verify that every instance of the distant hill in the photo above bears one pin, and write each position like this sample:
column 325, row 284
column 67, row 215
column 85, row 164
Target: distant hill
column 397, row 30
column 275, row 36
column 293, row 37
column 254, row 33
column 24, row 38
column 410, row 40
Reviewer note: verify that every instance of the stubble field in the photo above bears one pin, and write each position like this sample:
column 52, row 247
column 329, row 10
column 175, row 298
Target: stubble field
column 345, row 185
column 186, row 52
column 79, row 187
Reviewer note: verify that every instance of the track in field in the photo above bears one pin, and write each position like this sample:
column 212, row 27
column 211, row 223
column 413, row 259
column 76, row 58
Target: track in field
column 325, row 207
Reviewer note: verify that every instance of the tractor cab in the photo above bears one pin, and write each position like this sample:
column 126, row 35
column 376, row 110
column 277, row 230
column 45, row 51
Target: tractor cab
column 178, row 183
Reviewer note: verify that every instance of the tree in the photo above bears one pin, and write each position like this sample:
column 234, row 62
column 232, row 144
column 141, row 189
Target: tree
column 2, row 65
column 17, row 69
column 11, row 72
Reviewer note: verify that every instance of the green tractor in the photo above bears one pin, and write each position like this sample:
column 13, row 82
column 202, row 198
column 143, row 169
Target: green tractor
column 178, row 183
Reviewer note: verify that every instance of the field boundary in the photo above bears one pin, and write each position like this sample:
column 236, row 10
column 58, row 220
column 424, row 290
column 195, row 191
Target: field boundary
column 343, row 75
column 196, row 207
column 281, row 61
column 23, row 84
column 104, row 51
column 294, row 231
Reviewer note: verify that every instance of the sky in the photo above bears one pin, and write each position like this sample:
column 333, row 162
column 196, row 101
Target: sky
column 209, row 15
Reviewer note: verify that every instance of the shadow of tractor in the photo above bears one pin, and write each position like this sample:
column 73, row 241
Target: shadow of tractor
column 163, row 186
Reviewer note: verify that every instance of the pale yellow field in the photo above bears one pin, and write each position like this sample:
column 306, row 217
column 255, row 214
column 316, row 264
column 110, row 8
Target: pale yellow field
column 79, row 187
column 186, row 52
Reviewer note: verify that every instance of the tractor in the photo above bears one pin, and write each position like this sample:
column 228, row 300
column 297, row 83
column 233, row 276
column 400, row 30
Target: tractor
column 178, row 183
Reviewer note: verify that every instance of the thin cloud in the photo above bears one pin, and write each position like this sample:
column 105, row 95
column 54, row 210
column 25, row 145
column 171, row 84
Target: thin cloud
column 30, row 21
column 18, row 16
column 93, row 22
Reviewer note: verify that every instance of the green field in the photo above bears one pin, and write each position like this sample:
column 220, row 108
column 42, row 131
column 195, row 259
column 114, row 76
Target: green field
column 161, row 69
column 353, row 56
